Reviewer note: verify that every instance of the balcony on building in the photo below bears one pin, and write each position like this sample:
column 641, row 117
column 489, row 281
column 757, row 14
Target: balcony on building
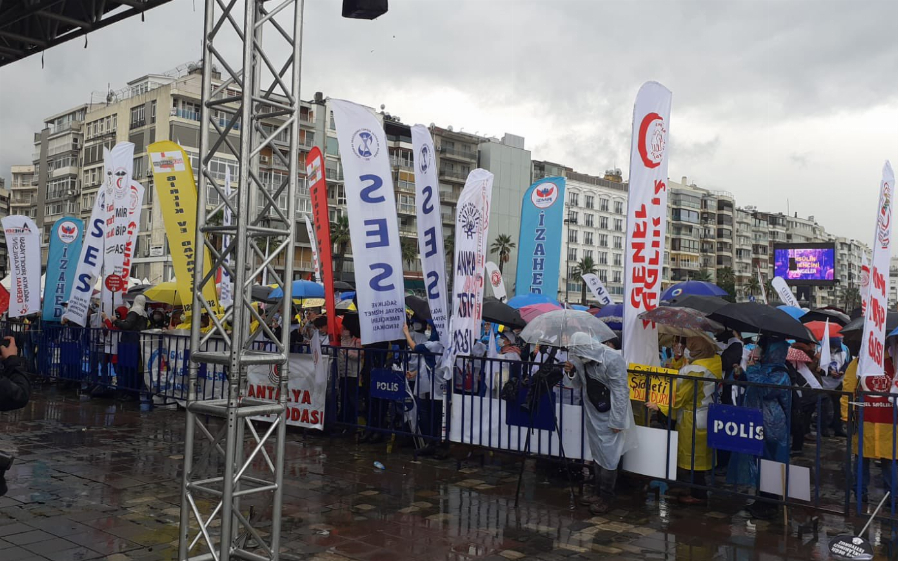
column 452, row 175
column 459, row 154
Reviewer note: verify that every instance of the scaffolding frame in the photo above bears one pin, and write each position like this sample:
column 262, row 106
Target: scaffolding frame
column 260, row 80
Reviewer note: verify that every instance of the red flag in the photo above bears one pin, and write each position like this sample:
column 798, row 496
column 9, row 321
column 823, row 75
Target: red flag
column 321, row 219
column 4, row 299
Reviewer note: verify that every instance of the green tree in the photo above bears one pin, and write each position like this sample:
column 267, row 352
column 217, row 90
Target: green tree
column 726, row 279
column 409, row 252
column 584, row 267
column 753, row 286
column 852, row 298
column 340, row 238
column 703, row 275
column 503, row 246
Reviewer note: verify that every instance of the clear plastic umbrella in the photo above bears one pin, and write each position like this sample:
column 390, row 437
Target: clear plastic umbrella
column 556, row 328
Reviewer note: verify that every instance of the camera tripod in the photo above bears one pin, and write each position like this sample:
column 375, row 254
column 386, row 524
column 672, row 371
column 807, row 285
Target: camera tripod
column 539, row 387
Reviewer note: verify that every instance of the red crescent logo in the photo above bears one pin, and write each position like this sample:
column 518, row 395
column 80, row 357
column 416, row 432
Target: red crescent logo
column 657, row 152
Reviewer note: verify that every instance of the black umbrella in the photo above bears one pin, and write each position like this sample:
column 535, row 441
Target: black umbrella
column 704, row 304
column 418, row 306
column 495, row 311
column 761, row 318
column 824, row 314
column 260, row 294
column 854, row 329
column 351, row 323
column 343, row 286
column 138, row 289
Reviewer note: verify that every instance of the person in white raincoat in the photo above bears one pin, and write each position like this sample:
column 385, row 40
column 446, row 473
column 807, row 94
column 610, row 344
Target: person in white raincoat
column 601, row 372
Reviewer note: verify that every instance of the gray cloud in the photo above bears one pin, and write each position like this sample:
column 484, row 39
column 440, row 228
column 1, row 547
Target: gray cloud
column 758, row 86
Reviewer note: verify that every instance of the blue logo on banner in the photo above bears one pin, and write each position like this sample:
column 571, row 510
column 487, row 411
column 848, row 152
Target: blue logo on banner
column 387, row 384
column 62, row 261
column 738, row 429
column 539, row 244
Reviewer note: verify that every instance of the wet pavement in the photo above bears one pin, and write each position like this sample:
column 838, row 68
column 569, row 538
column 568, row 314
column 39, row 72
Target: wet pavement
column 101, row 480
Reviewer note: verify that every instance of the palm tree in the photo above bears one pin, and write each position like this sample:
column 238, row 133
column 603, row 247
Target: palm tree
column 753, row 286
column 586, row 266
column 409, row 252
column 503, row 246
column 703, row 275
column 726, row 279
column 340, row 238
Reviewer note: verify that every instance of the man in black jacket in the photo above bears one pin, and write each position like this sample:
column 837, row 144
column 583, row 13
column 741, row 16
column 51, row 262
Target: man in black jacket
column 15, row 391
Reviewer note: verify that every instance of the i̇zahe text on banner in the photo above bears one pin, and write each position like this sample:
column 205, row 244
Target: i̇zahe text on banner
column 65, row 247
column 872, row 355
column 321, row 219
column 471, row 229
column 430, row 230
column 23, row 244
column 373, row 223
column 176, row 191
column 539, row 243
column 646, row 221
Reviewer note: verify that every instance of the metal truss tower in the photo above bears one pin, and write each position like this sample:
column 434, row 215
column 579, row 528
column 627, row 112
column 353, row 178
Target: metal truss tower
column 251, row 70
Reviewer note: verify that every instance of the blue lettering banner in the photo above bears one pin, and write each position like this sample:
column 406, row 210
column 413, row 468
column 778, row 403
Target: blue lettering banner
column 539, row 245
column 387, row 384
column 738, row 429
column 62, row 260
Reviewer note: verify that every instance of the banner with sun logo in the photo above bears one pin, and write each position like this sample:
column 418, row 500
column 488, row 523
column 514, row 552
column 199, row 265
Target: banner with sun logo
column 471, row 230
column 539, row 245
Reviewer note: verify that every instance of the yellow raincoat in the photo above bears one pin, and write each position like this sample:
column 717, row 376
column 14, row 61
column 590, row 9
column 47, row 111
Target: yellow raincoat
column 686, row 411
column 878, row 414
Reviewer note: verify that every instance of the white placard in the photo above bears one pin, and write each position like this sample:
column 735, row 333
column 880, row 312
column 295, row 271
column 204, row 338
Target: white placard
column 799, row 480
column 647, row 458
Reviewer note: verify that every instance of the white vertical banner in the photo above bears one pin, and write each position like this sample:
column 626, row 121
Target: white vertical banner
column 825, row 355
column 865, row 282
column 119, row 165
column 873, row 343
column 494, row 275
column 89, row 263
column 226, row 297
column 597, row 287
column 314, row 243
column 135, row 208
column 646, row 221
column 761, row 284
column 23, row 244
column 373, row 226
column 430, row 230
column 471, row 228
column 784, row 292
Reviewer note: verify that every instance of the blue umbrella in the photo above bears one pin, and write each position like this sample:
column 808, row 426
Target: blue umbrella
column 696, row 288
column 301, row 289
column 347, row 295
column 522, row 300
column 793, row 311
column 579, row 307
column 613, row 316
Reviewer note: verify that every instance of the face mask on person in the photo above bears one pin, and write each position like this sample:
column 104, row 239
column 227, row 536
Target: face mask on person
column 428, row 333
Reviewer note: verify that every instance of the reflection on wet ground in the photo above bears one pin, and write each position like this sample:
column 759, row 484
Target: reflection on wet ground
column 100, row 479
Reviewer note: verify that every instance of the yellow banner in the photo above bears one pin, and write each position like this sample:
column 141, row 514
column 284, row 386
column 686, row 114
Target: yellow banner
column 176, row 190
column 660, row 391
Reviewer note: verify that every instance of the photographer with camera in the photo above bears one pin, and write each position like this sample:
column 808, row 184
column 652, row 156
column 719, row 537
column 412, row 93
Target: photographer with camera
column 15, row 391
column 609, row 426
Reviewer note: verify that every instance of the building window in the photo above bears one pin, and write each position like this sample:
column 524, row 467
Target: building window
column 587, row 254
column 572, row 254
column 603, row 240
column 618, row 225
column 589, row 220
column 331, row 124
column 573, row 217
column 603, row 205
column 587, row 238
column 603, row 222
column 618, row 260
column 603, row 275
column 618, row 242
column 574, row 199
column 572, row 236
column 615, row 276
column 138, row 116
column 332, row 147
column 405, row 204
column 618, row 207
column 153, row 111
column 603, row 258
column 590, row 201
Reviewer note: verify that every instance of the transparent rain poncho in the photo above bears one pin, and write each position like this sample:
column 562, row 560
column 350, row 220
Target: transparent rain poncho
column 610, row 434
column 556, row 328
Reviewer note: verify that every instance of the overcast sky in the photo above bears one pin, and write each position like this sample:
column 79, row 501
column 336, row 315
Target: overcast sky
column 780, row 102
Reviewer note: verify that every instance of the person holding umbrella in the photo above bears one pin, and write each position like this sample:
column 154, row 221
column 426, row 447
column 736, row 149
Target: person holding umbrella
column 693, row 396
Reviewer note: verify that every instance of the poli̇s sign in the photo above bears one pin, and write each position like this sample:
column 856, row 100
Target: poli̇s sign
column 539, row 257
column 738, row 429
column 387, row 384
